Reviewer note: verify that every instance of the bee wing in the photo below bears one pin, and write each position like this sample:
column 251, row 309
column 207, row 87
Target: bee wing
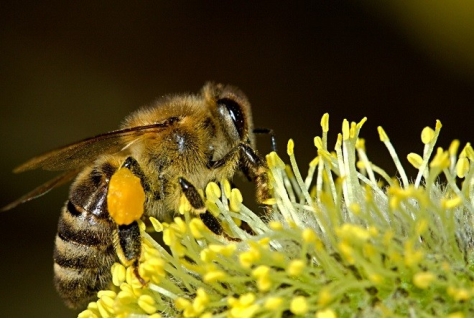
column 43, row 189
column 81, row 153
column 74, row 157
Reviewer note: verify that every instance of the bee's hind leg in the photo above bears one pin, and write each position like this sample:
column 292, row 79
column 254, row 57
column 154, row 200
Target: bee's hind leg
column 127, row 237
column 128, row 247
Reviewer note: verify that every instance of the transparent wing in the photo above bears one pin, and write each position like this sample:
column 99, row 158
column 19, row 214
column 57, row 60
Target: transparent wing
column 43, row 189
column 72, row 158
column 82, row 153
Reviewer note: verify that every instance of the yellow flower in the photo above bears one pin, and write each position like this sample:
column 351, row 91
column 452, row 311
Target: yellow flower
column 299, row 305
column 345, row 239
column 423, row 279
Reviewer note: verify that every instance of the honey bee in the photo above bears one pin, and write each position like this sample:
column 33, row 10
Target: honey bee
column 172, row 148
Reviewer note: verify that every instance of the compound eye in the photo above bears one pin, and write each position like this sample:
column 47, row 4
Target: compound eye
column 235, row 112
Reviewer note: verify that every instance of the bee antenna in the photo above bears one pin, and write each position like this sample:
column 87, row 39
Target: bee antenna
column 269, row 132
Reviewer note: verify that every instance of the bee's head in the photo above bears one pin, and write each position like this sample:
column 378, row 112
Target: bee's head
column 232, row 111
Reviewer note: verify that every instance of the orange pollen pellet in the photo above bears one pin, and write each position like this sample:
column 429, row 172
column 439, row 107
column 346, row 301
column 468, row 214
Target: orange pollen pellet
column 126, row 197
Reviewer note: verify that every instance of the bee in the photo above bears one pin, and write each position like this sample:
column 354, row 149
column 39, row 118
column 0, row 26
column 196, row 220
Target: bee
column 172, row 148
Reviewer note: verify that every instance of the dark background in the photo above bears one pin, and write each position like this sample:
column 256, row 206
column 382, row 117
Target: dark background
column 69, row 71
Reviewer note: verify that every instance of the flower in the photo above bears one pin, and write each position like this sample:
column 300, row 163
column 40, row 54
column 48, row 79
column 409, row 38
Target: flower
column 345, row 240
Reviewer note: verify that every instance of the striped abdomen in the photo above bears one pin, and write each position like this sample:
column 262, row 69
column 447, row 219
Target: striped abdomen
column 84, row 250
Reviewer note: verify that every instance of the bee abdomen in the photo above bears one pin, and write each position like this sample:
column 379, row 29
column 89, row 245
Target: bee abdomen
column 83, row 255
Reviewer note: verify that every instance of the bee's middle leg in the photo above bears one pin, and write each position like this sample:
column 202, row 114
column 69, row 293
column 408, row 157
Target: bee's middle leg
column 199, row 207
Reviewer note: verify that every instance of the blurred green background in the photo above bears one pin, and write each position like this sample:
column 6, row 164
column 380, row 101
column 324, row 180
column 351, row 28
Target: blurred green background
column 70, row 70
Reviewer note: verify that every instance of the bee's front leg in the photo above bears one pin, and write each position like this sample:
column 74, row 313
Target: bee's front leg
column 254, row 168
